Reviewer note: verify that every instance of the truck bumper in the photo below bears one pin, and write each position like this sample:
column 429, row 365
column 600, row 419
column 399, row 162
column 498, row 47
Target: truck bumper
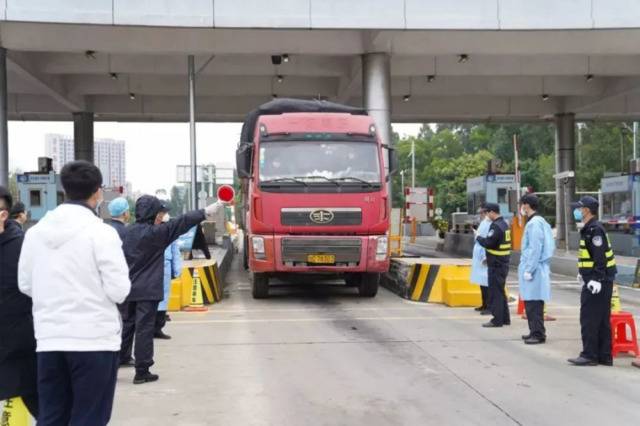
column 287, row 253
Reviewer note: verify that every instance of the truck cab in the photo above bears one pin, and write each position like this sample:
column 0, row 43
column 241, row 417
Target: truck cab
column 314, row 195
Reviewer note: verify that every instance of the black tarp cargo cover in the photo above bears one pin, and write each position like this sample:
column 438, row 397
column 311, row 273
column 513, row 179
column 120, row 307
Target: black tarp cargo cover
column 285, row 105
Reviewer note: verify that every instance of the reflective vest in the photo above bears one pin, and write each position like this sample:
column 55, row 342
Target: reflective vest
column 504, row 249
column 585, row 261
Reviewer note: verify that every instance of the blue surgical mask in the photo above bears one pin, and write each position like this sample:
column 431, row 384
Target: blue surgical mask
column 577, row 215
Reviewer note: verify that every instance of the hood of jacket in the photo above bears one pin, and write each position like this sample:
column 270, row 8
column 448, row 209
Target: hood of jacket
column 12, row 230
column 64, row 222
column 147, row 208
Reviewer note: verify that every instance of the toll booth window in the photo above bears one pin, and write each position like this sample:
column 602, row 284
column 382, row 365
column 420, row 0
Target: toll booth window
column 502, row 195
column 616, row 205
column 35, row 198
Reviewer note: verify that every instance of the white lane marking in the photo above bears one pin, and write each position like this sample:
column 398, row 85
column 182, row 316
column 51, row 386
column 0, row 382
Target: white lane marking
column 285, row 320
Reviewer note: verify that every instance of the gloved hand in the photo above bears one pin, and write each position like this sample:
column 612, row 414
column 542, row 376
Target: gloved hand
column 527, row 276
column 594, row 287
column 212, row 209
column 580, row 280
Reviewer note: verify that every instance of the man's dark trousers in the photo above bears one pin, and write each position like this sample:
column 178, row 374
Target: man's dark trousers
column 595, row 317
column 535, row 317
column 484, row 291
column 498, row 299
column 76, row 388
column 139, row 319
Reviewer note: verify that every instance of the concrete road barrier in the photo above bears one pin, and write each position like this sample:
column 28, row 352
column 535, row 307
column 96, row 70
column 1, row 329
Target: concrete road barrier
column 433, row 280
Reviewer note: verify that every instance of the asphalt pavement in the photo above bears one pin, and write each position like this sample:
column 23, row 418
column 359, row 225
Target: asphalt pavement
column 321, row 355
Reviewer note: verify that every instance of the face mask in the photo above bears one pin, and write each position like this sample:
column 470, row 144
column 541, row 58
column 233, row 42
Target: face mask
column 577, row 215
column 523, row 211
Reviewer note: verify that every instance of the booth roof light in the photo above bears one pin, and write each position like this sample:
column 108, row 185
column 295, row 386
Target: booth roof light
column 589, row 77
column 545, row 97
column 132, row 96
column 280, row 78
column 406, row 98
column 462, row 58
column 285, row 58
column 113, row 75
column 431, row 78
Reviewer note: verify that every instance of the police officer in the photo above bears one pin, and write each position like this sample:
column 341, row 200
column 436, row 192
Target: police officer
column 597, row 269
column 498, row 246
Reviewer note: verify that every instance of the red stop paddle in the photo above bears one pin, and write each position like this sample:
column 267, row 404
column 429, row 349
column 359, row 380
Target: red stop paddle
column 226, row 193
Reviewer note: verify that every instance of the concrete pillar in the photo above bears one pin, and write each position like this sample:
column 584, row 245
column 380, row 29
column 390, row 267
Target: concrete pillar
column 376, row 78
column 565, row 161
column 376, row 81
column 4, row 135
column 83, row 136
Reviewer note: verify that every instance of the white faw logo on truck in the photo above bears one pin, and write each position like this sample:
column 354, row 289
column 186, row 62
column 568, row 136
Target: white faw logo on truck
column 321, row 216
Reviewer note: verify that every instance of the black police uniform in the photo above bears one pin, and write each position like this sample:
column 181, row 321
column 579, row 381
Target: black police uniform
column 596, row 262
column 498, row 246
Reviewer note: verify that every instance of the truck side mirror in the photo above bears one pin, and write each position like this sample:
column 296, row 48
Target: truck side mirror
column 244, row 154
column 393, row 161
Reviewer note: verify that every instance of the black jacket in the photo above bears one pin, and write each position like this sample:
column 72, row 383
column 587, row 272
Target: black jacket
column 596, row 260
column 17, row 341
column 120, row 227
column 497, row 243
column 144, row 246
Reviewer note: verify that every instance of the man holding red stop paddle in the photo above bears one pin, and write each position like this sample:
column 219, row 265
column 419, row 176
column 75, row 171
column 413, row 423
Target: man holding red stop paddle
column 144, row 245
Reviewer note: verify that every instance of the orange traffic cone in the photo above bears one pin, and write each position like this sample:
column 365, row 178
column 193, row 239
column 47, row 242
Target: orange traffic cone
column 521, row 308
column 197, row 303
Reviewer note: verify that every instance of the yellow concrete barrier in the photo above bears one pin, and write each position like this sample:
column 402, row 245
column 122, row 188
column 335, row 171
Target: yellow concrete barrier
column 430, row 279
column 182, row 287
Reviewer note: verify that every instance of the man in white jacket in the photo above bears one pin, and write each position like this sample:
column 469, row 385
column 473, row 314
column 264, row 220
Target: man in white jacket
column 73, row 267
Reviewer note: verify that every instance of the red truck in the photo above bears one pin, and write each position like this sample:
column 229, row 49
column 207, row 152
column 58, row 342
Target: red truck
column 314, row 194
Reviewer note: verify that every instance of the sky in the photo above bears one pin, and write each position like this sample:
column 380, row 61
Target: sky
column 153, row 150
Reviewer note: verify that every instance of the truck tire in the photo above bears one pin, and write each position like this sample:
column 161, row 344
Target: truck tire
column 245, row 253
column 260, row 286
column 369, row 284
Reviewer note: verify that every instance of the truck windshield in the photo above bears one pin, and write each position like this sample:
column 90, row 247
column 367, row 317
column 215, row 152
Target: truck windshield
column 334, row 163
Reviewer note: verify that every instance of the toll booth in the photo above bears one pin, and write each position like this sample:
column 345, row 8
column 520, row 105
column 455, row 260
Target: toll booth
column 40, row 191
column 620, row 212
column 491, row 188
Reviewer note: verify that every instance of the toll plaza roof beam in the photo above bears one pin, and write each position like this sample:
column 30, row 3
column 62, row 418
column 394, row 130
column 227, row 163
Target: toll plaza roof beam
column 199, row 41
column 19, row 63
column 350, row 84
column 616, row 88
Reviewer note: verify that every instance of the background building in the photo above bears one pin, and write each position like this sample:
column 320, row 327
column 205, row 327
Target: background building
column 109, row 156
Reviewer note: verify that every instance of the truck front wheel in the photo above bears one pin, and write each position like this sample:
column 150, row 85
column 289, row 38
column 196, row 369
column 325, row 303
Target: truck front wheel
column 260, row 286
column 369, row 284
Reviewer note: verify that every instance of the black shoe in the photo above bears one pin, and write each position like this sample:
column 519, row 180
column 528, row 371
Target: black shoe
column 479, row 309
column 168, row 318
column 490, row 324
column 161, row 335
column 485, row 312
column 507, row 323
column 535, row 341
column 128, row 363
column 580, row 361
column 526, row 336
column 145, row 377
column 606, row 362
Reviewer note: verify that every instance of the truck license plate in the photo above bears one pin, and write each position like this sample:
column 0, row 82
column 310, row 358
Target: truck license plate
column 321, row 258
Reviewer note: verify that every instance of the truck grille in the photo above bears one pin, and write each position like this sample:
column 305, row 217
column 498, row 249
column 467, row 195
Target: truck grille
column 297, row 250
column 321, row 216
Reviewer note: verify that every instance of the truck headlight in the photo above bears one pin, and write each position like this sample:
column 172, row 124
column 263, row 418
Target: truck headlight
column 258, row 247
column 382, row 248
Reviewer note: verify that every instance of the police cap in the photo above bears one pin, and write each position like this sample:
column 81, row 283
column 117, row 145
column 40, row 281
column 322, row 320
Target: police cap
column 587, row 202
column 492, row 207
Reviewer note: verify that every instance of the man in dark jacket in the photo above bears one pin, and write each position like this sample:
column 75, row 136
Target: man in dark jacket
column 18, row 364
column 144, row 246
